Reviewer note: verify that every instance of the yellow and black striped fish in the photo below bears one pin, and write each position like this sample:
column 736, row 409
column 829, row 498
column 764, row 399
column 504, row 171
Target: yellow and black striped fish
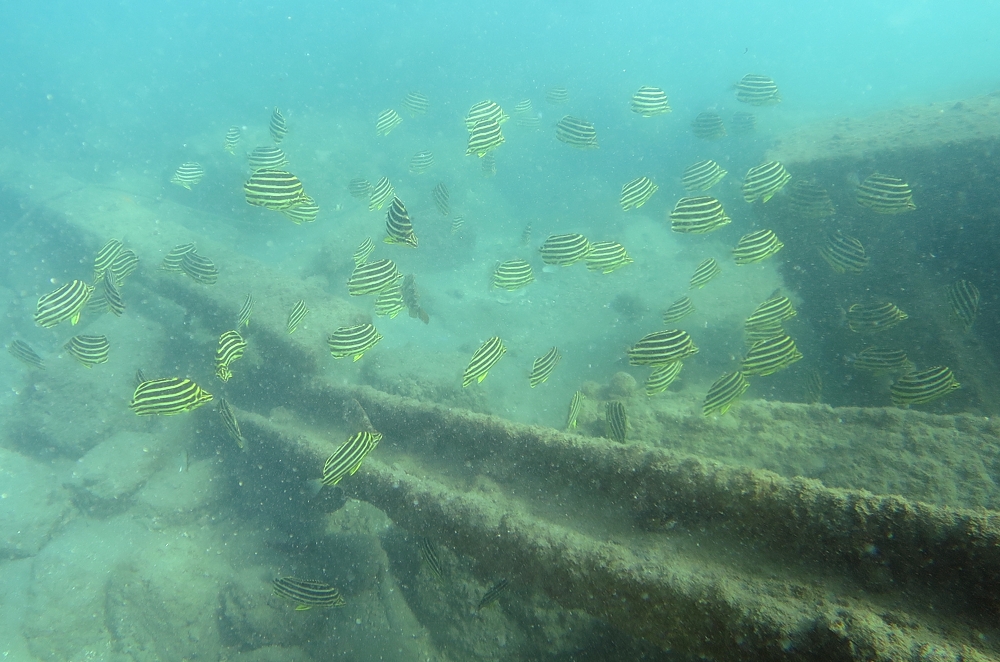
column 843, row 253
column 773, row 311
column 188, row 174
column 524, row 107
column 565, row 249
column 662, row 377
column 380, row 193
column 231, row 347
column 277, row 126
column 96, row 304
column 353, row 340
column 307, row 593
column 124, row 265
column 373, row 277
column 527, row 117
column 484, row 136
column 768, row 356
column 485, row 358
column 64, row 303
column 543, row 367
column 650, row 101
column 724, row 392
column 199, row 268
column 273, row 189
column 763, row 181
column 678, row 310
column 575, row 403
column 347, row 459
column 112, row 295
column 387, row 120
column 456, row 224
column 243, row 317
column 963, row 297
column 606, row 256
column 637, row 192
column 232, row 139
column 415, row 104
column 173, row 259
column 880, row 360
column 763, row 332
column 493, row 594
column 702, row 175
column 874, row 317
column 488, row 111
column 810, row 200
column 359, row 188
column 814, row 387
column 616, row 420
column 398, row 227
column 106, row 257
column 441, row 198
column 662, row 347
column 708, row 126
column 429, row 554
column 698, row 215
column 267, row 157
column 389, row 302
column 576, row 132
column 21, row 351
column 512, row 275
column 557, row 95
column 756, row 246
column 295, row 317
column 917, row 388
column 364, row 249
column 230, row 422
column 421, row 162
column 757, row 90
column 488, row 165
column 744, row 123
column 705, row 272
column 168, row 396
column 304, row 211
column 885, row 194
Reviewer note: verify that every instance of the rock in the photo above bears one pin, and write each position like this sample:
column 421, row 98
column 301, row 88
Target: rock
column 178, row 496
column 32, row 505
column 109, row 474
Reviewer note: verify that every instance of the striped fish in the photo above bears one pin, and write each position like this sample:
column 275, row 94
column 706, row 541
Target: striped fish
column 756, row 246
column 415, row 103
column 488, row 165
column 199, row 268
column 106, row 257
column 702, row 175
column 387, row 120
column 64, row 303
column 429, row 554
column 21, row 351
column 698, row 215
column 743, row 123
column 97, row 304
column 512, row 275
column 277, row 126
column 874, row 317
column 763, row 332
column 88, row 350
column 112, row 295
column 485, row 111
column 484, row 136
column 704, row 273
column 353, row 340
column 724, row 392
column 484, row 358
column 814, row 387
column 917, row 388
column 347, row 459
column 243, row 317
column 775, row 310
column 636, row 192
column 616, row 420
column 139, row 377
column 524, row 107
column 843, row 253
column 526, row 235
column 763, row 181
column 173, row 259
column 678, row 310
column 421, row 162
column 606, row 257
column 557, row 95
column 708, row 126
column 650, row 101
column 456, row 224
column 273, row 189
column 442, row 197
column 880, row 360
column 364, row 249
column 373, row 277
column 232, row 139
column 304, row 211
column 662, row 347
column 389, row 302
column 380, row 193
column 267, row 157
column 124, row 265
column 307, row 593
column 229, row 421
column 295, row 317
column 768, row 356
column 757, row 90
column 543, row 366
column 231, row 347
column 168, row 396
column 565, row 249
column 188, row 174
column 574, row 410
column 662, row 377
column 493, row 594
column 398, row 228
column 576, row 132
column 359, row 188
column 885, row 194
column 810, row 200
column 963, row 297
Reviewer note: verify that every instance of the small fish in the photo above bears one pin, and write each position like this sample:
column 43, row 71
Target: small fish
column 874, row 317
column 810, row 200
column 662, row 347
column 441, row 198
column 364, row 249
column 917, row 388
column 199, row 268
column 512, row 275
column 763, row 332
column 188, row 174
column 304, row 211
column 963, row 297
column 757, row 90
column 526, row 235
column 617, row 421
column 576, row 132
column 678, row 310
column 775, row 310
column 359, row 188
column 347, row 459
column 606, row 257
column 139, row 377
column 489, row 165
column 724, row 392
column 168, row 396
column 493, row 594
column 64, row 303
column 763, row 181
column 885, row 194
column 105, row 257
column 484, row 358
column 708, row 126
column 698, row 215
column 484, row 136
column 880, row 361
column 295, row 317
column 373, row 277
column 814, row 387
column 768, row 356
column 273, row 189
column 231, row 347
column 456, row 224
column 398, row 227
column 543, row 366
column 429, row 554
column 421, row 162
column 411, row 297
column 380, row 193
column 637, row 192
column 230, row 422
column 415, row 103
column 574, row 410
column 267, row 157
column 173, row 259
column 112, row 295
column 387, row 120
column 843, row 253
column 21, row 351
column 702, row 175
column 307, row 593
column 756, row 246
column 389, row 302
column 485, row 111
column 524, row 107
column 124, row 265
column 650, row 101
column 564, row 249
column 662, row 377
column 557, row 95
column 743, row 123
column 277, row 126
column 353, row 340
column 705, row 272
column 243, row 318
column 232, row 139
